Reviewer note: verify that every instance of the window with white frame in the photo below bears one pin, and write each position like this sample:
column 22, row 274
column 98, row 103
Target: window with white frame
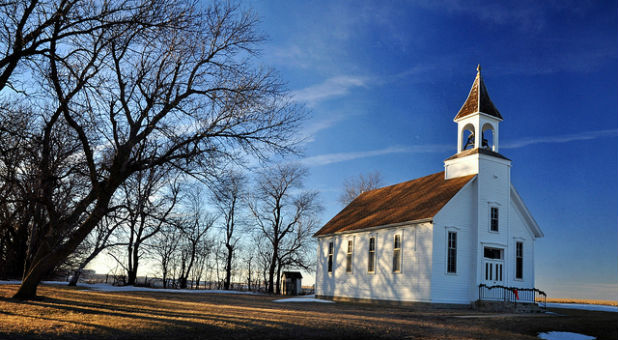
column 371, row 259
column 494, row 219
column 451, row 263
column 519, row 260
column 397, row 254
column 330, row 257
column 348, row 260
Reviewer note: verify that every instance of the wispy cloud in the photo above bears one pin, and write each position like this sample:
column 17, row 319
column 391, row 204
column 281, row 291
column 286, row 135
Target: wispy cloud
column 586, row 135
column 348, row 156
column 331, row 87
column 524, row 15
column 293, row 55
column 308, row 132
column 339, row 157
column 338, row 86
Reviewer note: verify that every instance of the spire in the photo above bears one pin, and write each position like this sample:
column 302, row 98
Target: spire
column 478, row 99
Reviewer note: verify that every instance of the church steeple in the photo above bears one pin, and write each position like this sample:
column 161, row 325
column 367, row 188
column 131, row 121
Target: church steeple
column 477, row 132
column 478, row 100
column 478, row 119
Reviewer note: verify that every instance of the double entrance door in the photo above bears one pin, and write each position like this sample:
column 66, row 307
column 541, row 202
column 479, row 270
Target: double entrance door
column 494, row 273
column 493, row 276
column 493, row 266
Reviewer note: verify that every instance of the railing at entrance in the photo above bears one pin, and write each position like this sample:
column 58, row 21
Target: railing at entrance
column 512, row 294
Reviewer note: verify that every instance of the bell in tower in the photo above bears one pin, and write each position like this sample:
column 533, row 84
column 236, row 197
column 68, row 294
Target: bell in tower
column 469, row 142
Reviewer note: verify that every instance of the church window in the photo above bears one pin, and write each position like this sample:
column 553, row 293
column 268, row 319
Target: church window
column 494, row 219
column 330, row 257
column 371, row 264
column 492, row 253
column 348, row 261
column 451, row 266
column 519, row 260
column 397, row 254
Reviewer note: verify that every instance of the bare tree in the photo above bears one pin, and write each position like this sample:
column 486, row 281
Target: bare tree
column 16, row 205
column 30, row 28
column 144, row 84
column 24, row 195
column 219, row 261
column 193, row 230
column 252, row 256
column 99, row 240
column 282, row 214
column 147, row 199
column 165, row 247
column 202, row 259
column 298, row 249
column 352, row 187
column 228, row 192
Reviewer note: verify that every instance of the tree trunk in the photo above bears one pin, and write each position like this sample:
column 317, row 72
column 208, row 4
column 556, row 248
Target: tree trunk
column 36, row 272
column 164, row 279
column 75, row 277
column 27, row 290
column 228, row 267
column 271, row 273
column 278, row 277
column 83, row 265
column 133, row 264
column 249, row 275
column 131, row 276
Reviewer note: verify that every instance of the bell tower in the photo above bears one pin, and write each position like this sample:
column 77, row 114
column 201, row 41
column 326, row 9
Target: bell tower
column 478, row 123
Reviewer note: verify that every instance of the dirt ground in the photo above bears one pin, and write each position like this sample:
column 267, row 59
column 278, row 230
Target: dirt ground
column 72, row 313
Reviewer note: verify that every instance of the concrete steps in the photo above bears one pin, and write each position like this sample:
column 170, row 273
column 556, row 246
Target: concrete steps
column 506, row 307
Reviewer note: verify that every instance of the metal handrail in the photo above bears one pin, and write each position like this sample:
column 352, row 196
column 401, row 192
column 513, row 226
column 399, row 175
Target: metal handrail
column 511, row 294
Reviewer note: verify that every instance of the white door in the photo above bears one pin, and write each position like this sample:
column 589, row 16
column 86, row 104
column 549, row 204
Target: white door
column 493, row 272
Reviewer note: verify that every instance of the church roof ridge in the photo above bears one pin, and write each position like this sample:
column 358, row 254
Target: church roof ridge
column 478, row 99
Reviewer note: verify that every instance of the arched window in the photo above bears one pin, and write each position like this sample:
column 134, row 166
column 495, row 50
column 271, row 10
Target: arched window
column 468, row 137
column 488, row 137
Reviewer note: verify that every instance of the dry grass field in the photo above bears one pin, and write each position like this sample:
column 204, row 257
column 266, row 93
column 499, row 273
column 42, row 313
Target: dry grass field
column 70, row 313
column 584, row 301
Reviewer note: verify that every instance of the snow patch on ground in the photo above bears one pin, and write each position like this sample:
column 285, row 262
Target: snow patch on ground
column 584, row 306
column 103, row 287
column 564, row 336
column 306, row 298
column 552, row 313
column 10, row 282
column 487, row 316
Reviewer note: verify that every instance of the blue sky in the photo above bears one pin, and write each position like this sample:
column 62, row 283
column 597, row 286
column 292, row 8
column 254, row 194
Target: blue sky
column 384, row 80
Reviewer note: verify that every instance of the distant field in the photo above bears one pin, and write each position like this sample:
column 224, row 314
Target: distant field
column 64, row 312
column 585, row 301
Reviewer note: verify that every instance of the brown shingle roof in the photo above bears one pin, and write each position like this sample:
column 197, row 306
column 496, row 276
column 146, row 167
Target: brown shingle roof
column 292, row 275
column 408, row 201
column 478, row 100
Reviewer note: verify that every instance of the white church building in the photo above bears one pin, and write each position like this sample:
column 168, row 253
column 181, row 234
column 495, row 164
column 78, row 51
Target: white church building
column 442, row 238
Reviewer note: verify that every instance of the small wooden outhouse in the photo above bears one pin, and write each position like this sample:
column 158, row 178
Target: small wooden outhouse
column 291, row 283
